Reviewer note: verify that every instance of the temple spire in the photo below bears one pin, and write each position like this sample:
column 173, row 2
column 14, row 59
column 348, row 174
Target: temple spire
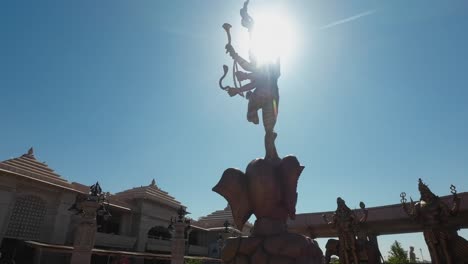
column 30, row 153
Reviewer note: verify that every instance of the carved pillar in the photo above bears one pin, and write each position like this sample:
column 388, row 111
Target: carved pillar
column 373, row 252
column 178, row 243
column 37, row 255
column 85, row 234
column 373, row 240
column 187, row 242
column 7, row 202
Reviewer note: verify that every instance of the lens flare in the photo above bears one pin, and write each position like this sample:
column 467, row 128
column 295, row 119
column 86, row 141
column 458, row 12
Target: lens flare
column 272, row 37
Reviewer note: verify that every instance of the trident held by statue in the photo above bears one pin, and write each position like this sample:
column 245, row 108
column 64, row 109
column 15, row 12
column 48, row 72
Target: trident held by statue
column 227, row 27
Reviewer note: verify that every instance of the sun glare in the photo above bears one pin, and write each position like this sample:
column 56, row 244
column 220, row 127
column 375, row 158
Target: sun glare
column 272, row 37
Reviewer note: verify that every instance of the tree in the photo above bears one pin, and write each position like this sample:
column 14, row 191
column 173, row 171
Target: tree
column 397, row 255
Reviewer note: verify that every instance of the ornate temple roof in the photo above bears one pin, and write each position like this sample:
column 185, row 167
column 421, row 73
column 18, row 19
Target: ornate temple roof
column 217, row 219
column 151, row 192
column 27, row 165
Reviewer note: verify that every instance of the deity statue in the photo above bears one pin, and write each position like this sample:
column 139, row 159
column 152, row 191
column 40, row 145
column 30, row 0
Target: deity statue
column 95, row 190
column 445, row 246
column 268, row 187
column 346, row 222
column 262, row 89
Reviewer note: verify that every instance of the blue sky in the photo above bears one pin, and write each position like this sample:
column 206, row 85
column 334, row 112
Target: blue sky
column 126, row 91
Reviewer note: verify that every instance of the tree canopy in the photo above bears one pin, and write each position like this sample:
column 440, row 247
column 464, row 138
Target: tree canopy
column 397, row 255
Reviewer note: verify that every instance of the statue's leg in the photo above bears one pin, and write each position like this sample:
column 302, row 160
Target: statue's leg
column 345, row 247
column 354, row 250
column 269, row 112
column 343, row 251
column 347, row 260
column 444, row 241
column 252, row 109
column 430, row 241
column 355, row 256
column 434, row 254
column 327, row 256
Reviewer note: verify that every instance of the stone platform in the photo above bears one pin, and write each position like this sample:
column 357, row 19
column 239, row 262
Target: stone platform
column 271, row 243
column 268, row 190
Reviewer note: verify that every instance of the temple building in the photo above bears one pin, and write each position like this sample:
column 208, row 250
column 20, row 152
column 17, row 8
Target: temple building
column 36, row 223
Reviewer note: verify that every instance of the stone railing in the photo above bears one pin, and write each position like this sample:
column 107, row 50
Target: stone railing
column 163, row 245
column 114, row 241
column 153, row 244
column 198, row 250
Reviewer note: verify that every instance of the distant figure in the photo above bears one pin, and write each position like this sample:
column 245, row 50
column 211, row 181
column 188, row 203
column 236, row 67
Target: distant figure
column 412, row 256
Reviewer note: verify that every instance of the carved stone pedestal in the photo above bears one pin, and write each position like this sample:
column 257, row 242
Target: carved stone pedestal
column 85, row 234
column 271, row 243
column 178, row 244
column 267, row 190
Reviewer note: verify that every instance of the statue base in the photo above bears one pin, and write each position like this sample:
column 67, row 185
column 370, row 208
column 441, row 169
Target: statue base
column 267, row 190
column 271, row 243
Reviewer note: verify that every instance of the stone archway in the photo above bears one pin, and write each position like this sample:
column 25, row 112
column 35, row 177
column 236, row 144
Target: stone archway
column 159, row 232
column 26, row 218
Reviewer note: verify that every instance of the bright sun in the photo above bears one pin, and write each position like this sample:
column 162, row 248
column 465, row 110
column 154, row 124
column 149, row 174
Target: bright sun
column 272, row 37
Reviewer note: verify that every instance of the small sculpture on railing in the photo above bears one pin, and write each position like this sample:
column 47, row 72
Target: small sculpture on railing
column 226, row 225
column 445, row 246
column 95, row 195
column 181, row 213
column 95, row 190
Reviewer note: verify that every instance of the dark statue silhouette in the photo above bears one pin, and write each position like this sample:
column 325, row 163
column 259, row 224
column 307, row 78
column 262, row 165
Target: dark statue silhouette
column 353, row 245
column 442, row 239
column 268, row 188
column 261, row 90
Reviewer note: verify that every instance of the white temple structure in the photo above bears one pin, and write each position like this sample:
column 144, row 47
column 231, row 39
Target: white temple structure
column 35, row 223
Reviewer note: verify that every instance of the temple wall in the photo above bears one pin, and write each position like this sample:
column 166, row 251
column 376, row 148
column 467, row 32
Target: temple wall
column 62, row 219
column 45, row 206
column 7, row 196
column 150, row 214
column 126, row 224
column 52, row 220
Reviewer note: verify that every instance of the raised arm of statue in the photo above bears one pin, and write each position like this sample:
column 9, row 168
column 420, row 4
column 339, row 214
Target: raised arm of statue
column 364, row 211
column 246, row 65
column 329, row 221
column 456, row 202
column 244, row 88
column 326, row 219
column 410, row 211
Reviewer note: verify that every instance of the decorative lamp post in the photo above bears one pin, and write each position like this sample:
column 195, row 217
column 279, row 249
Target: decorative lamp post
column 220, row 244
column 87, row 207
column 180, row 225
column 226, row 226
column 170, row 227
column 222, row 237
